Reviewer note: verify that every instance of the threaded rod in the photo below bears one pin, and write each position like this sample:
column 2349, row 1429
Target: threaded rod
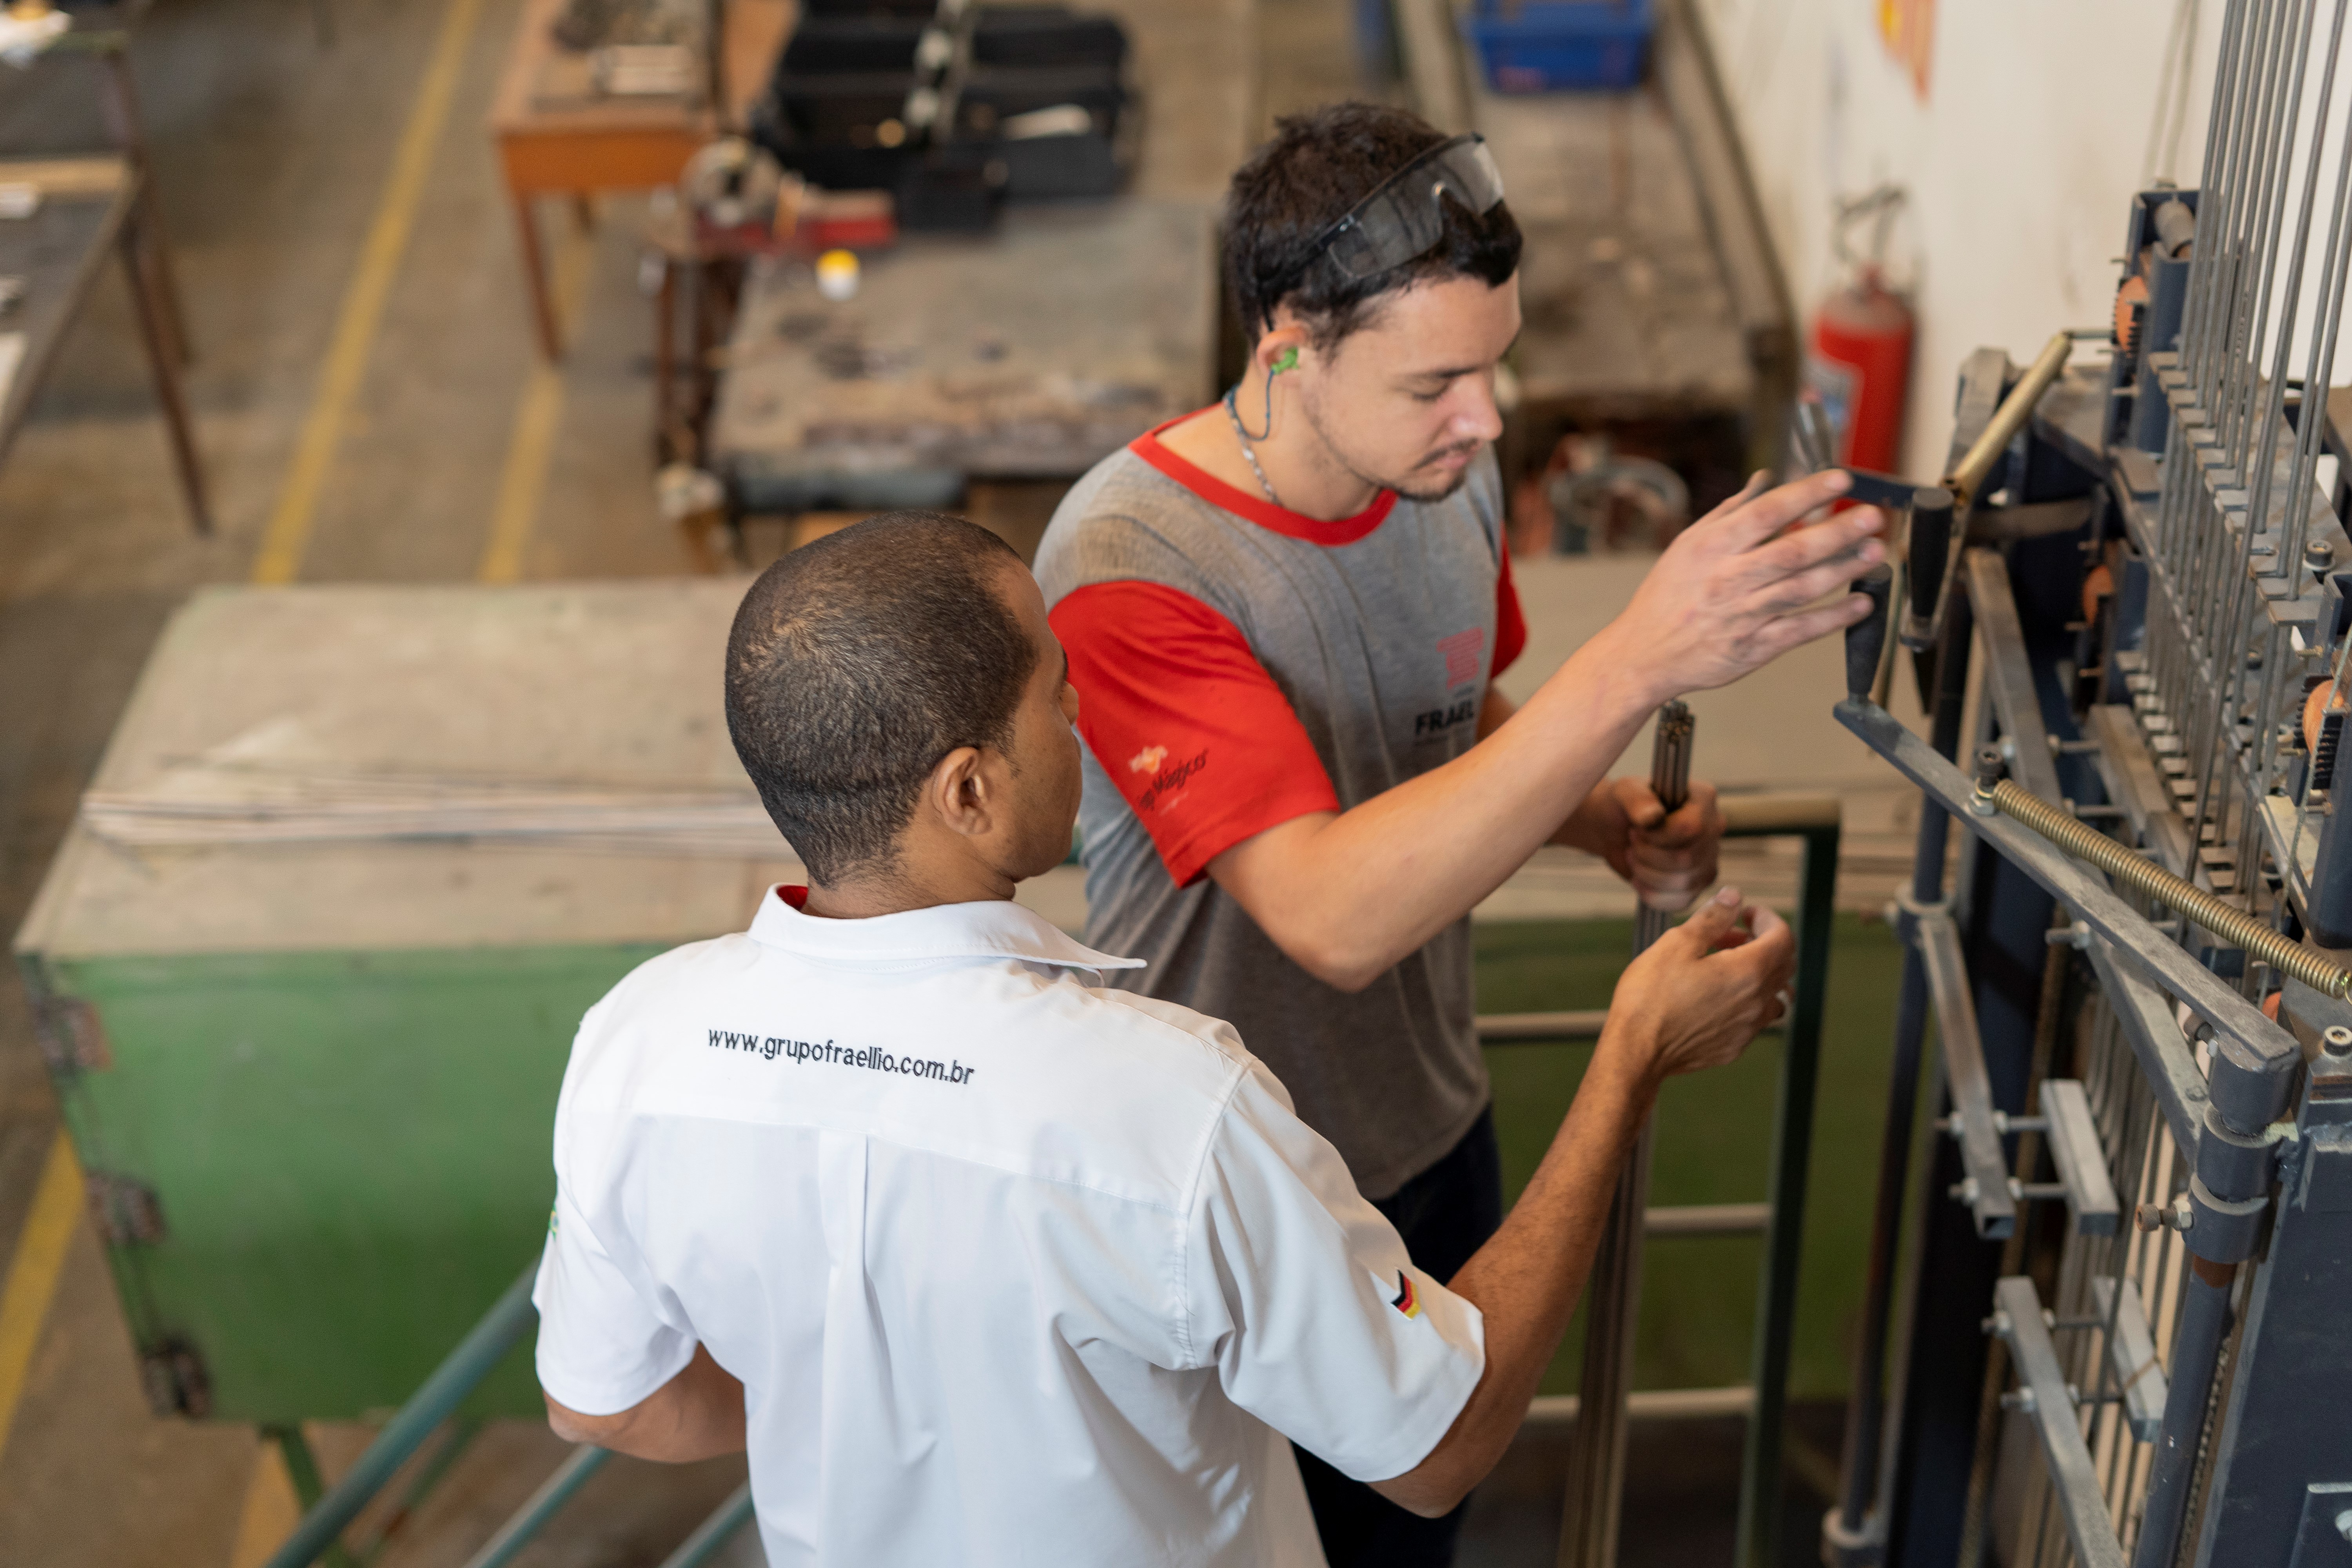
column 2225, row 921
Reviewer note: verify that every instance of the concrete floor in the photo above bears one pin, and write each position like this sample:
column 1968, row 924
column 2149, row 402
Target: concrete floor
column 271, row 155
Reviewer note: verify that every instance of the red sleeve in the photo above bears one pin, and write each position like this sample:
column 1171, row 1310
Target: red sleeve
column 1510, row 621
column 1186, row 722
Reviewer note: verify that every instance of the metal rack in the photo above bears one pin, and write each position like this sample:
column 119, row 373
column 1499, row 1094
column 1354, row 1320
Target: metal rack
column 2133, row 962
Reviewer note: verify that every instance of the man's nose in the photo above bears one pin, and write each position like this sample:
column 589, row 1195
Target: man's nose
column 1477, row 417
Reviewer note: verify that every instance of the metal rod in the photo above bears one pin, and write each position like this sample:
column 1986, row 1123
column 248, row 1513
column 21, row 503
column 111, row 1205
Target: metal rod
column 2007, row 421
column 484, row 1346
column 1849, row 1527
column 525, row 1523
column 1596, row 1460
column 1759, row 1529
column 713, row 1532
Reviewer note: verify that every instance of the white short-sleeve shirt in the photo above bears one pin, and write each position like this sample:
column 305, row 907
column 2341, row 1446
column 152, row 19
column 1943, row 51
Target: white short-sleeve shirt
column 1014, row 1268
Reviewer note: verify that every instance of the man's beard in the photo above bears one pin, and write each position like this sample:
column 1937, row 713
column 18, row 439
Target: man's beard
column 1402, row 486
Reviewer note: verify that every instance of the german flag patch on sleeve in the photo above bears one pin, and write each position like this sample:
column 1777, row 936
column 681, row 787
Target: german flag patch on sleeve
column 1406, row 1302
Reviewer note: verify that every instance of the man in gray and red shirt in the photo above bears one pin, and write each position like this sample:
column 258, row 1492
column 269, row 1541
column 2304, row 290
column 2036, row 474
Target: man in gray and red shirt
column 1284, row 614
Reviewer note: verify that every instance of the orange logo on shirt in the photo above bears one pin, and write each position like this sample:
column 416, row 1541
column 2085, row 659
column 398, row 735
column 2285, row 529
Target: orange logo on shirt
column 1406, row 1302
column 1147, row 760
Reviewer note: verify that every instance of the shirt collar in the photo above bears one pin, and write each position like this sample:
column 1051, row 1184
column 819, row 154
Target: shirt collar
column 995, row 929
column 1263, row 513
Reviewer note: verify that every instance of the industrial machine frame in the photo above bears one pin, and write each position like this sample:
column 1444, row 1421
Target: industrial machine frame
column 2135, row 980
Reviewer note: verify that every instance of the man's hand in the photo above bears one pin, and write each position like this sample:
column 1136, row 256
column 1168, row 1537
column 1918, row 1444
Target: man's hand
column 1692, row 1001
column 1709, row 987
column 1670, row 861
column 1740, row 587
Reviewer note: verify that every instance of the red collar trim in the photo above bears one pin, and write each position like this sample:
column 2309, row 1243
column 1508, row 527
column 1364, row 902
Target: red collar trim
column 1259, row 511
column 793, row 894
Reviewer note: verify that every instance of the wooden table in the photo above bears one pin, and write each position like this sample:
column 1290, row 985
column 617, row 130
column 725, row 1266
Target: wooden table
column 1032, row 352
column 88, row 207
column 610, row 144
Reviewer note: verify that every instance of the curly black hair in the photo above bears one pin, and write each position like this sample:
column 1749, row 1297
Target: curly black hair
column 855, row 663
column 1318, row 166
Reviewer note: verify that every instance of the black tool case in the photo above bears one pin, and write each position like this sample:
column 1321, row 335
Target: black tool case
column 860, row 100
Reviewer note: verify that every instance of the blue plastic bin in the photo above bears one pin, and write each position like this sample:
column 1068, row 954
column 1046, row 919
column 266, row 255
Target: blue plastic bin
column 1548, row 46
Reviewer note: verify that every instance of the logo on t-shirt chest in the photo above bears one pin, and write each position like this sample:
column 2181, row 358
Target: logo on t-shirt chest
column 1463, row 654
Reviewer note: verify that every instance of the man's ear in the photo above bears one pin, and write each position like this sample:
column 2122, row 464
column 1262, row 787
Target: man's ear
column 1282, row 347
column 958, row 794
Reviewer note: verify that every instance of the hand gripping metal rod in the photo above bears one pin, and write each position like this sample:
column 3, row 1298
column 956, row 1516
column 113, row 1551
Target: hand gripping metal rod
column 1596, row 1456
column 2232, row 924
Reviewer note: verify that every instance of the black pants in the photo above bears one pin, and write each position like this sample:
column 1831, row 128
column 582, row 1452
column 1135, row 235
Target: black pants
column 1445, row 1215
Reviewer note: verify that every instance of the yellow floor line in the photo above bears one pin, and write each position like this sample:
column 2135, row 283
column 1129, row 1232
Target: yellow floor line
column 523, row 482
column 290, row 521
column 32, row 1278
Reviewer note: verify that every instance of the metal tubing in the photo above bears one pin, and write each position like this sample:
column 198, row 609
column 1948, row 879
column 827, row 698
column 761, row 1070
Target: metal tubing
column 485, row 1345
column 1759, row 1529
column 713, row 1532
column 1596, row 1458
column 2196, row 1352
column 1853, row 1516
column 525, row 1523
column 2137, row 872
column 2007, row 421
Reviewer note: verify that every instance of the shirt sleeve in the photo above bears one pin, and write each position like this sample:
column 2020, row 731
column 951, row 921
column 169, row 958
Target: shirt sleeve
column 601, row 1347
column 1302, row 1296
column 1202, row 743
column 1510, row 620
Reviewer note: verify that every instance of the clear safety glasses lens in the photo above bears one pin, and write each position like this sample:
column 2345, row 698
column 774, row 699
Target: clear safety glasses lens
column 1405, row 217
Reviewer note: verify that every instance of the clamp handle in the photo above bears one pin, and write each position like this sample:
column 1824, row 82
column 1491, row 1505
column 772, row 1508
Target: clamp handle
column 1866, row 640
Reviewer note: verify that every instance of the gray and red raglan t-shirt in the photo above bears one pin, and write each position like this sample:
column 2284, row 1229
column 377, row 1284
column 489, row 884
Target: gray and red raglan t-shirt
column 1237, row 666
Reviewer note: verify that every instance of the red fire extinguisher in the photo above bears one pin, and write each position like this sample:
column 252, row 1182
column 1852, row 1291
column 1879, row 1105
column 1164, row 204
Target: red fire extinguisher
column 1858, row 362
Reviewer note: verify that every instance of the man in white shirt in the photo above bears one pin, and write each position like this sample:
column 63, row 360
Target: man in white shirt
column 986, row 1262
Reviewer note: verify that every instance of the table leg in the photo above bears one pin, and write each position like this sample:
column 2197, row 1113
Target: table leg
column 152, row 312
column 534, row 267
column 120, row 101
column 665, row 351
column 584, row 211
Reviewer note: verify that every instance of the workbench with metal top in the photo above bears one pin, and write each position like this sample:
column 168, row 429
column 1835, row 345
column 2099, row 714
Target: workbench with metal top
column 1033, row 351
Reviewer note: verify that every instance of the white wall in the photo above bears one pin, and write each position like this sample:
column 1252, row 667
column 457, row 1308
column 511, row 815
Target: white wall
column 2020, row 162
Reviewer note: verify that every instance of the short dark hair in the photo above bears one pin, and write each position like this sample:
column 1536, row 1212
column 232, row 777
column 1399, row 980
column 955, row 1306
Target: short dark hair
column 859, row 660
column 1318, row 166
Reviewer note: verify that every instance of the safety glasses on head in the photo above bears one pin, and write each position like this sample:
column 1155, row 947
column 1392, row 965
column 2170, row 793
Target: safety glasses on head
column 1405, row 214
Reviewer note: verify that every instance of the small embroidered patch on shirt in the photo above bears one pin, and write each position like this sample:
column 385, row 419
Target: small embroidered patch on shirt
column 1406, row 1302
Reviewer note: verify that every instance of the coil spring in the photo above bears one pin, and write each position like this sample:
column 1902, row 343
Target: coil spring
column 2225, row 921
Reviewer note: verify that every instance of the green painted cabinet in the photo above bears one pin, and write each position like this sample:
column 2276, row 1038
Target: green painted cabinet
column 311, row 1070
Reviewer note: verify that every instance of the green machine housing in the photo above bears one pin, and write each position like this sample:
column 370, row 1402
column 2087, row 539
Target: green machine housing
column 312, row 1078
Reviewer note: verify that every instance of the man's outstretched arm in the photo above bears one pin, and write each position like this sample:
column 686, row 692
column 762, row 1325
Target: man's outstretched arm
column 1680, row 1007
column 1349, row 894
column 698, row 1415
